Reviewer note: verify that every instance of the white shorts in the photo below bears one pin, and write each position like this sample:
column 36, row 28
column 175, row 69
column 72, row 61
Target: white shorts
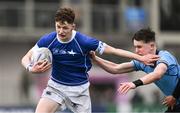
column 76, row 98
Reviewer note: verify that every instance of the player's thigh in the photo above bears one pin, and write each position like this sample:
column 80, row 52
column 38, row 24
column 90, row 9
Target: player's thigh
column 46, row 105
column 84, row 105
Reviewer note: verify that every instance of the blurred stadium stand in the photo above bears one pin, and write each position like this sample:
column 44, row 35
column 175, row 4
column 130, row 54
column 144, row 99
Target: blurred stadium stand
column 23, row 22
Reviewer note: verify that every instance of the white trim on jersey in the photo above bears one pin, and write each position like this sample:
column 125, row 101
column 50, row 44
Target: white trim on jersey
column 101, row 47
column 51, row 43
column 72, row 37
column 79, row 46
column 86, row 66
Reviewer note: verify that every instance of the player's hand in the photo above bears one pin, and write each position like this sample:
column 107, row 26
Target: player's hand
column 40, row 67
column 149, row 59
column 169, row 101
column 125, row 87
column 92, row 55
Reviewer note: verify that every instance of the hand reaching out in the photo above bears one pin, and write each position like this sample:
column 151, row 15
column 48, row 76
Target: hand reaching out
column 125, row 87
column 149, row 59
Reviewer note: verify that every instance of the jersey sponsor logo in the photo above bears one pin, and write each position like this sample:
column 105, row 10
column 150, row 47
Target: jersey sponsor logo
column 71, row 52
column 57, row 51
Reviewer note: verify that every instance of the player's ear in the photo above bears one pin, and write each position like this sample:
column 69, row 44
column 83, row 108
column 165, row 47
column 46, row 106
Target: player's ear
column 152, row 45
column 73, row 25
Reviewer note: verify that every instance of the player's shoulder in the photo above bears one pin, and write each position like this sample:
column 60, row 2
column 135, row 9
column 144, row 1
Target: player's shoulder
column 47, row 39
column 167, row 56
column 163, row 53
column 84, row 39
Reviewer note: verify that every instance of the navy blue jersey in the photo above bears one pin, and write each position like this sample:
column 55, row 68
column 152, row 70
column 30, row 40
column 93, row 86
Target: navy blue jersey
column 71, row 60
column 169, row 80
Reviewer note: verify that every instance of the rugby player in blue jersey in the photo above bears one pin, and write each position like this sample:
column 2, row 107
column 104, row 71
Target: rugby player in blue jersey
column 68, row 86
column 165, row 72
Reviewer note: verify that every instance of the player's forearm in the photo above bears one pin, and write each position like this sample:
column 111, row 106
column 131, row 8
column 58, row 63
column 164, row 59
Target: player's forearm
column 100, row 61
column 113, row 67
column 155, row 75
column 144, row 80
column 124, row 67
column 26, row 59
column 151, row 77
column 106, row 65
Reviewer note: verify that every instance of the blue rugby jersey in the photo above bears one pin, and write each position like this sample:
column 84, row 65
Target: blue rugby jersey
column 71, row 60
column 169, row 80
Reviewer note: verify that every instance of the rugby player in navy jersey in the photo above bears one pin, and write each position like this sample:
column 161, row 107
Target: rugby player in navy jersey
column 165, row 73
column 68, row 86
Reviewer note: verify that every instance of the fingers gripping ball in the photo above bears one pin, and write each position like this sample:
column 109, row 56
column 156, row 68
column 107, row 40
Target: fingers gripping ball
column 40, row 55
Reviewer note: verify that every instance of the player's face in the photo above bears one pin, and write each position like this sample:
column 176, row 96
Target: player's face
column 64, row 30
column 143, row 48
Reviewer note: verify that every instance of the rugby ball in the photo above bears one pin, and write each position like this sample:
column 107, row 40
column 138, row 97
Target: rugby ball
column 41, row 54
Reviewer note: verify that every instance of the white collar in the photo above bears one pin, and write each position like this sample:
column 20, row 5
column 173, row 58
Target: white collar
column 72, row 37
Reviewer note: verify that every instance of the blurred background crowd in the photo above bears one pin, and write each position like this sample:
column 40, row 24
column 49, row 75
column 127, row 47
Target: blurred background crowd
column 23, row 22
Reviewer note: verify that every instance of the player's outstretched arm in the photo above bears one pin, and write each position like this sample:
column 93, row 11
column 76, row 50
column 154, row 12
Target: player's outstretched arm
column 125, row 87
column 112, row 67
column 157, row 74
column 147, row 79
column 147, row 59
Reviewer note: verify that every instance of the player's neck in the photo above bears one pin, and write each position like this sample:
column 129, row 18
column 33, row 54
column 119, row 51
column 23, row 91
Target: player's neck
column 67, row 39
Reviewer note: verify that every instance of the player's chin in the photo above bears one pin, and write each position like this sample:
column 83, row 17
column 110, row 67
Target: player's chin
column 62, row 36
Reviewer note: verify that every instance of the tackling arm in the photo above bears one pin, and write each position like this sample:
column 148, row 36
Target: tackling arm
column 147, row 79
column 113, row 67
column 155, row 75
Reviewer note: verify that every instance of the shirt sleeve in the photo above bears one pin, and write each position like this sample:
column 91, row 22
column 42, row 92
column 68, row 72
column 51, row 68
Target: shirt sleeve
column 166, row 58
column 91, row 44
column 42, row 41
column 101, row 47
column 46, row 40
column 137, row 65
column 170, row 61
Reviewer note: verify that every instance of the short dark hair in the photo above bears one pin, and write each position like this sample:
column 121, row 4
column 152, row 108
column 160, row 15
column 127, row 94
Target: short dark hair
column 65, row 15
column 145, row 35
